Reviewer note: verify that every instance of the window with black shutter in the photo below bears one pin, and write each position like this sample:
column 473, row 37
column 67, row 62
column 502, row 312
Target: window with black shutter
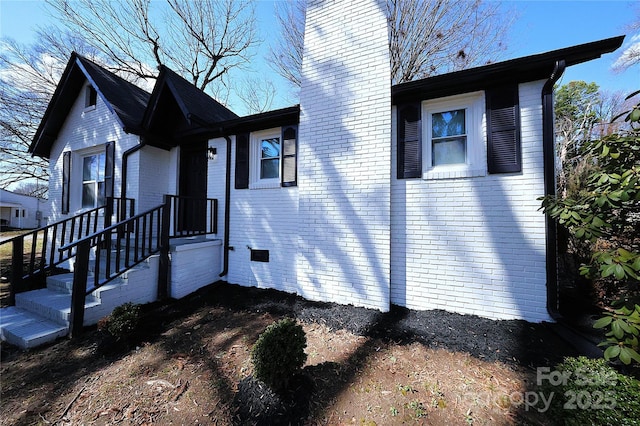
column 503, row 130
column 409, row 141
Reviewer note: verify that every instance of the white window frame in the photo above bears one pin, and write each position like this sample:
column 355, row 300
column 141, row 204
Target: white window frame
column 256, row 138
column 88, row 106
column 96, row 182
column 476, row 163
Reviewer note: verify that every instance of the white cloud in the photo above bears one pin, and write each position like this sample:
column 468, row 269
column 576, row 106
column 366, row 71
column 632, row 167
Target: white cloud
column 630, row 55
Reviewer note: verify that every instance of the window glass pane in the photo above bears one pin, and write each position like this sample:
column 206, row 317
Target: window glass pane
column 88, row 195
column 88, row 168
column 271, row 148
column 270, row 168
column 448, row 123
column 90, row 96
column 100, row 167
column 449, row 151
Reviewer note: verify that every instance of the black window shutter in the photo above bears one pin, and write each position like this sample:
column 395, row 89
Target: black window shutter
column 66, row 176
column 242, row 161
column 289, row 156
column 409, row 141
column 110, row 151
column 503, row 130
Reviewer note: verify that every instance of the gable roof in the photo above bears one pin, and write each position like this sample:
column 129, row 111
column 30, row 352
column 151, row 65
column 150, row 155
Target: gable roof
column 126, row 100
column 194, row 103
column 520, row 70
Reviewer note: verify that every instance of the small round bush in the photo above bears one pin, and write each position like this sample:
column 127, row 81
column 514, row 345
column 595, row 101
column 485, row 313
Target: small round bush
column 123, row 320
column 279, row 353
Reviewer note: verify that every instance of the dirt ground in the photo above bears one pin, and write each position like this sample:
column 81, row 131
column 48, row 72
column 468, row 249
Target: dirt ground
column 190, row 364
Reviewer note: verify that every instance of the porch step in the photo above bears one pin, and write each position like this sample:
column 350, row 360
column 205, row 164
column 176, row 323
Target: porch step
column 55, row 306
column 63, row 283
column 70, row 264
column 26, row 329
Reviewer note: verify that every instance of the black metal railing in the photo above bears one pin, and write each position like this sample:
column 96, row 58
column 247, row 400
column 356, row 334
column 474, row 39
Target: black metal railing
column 37, row 251
column 119, row 248
column 127, row 243
column 191, row 216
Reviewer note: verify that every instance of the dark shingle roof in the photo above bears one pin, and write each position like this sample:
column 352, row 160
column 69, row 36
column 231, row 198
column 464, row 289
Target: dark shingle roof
column 127, row 100
column 524, row 69
column 198, row 108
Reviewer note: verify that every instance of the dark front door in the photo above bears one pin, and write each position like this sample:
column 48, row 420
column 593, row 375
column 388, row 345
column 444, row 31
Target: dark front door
column 192, row 211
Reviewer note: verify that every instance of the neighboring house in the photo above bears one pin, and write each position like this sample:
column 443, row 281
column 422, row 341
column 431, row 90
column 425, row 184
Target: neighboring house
column 422, row 194
column 19, row 211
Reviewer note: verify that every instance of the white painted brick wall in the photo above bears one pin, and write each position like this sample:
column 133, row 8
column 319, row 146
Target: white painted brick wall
column 344, row 157
column 84, row 131
column 152, row 172
column 149, row 180
column 216, row 178
column 263, row 219
column 475, row 245
column 194, row 266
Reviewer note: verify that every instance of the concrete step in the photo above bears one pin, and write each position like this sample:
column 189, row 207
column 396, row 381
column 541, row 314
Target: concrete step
column 26, row 329
column 55, row 306
column 63, row 283
column 43, row 315
column 103, row 265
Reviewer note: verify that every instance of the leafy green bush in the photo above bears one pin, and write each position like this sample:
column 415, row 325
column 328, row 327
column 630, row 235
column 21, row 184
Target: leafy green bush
column 622, row 338
column 279, row 353
column 123, row 321
column 604, row 213
column 590, row 392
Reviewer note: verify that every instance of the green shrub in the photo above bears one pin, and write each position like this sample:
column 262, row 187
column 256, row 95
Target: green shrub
column 123, row 321
column 279, row 353
column 622, row 338
column 589, row 392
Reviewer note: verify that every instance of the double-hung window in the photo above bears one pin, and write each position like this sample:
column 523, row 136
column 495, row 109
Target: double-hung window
column 449, row 137
column 267, row 158
column 270, row 157
column 460, row 136
column 266, row 150
column 93, row 182
column 453, row 135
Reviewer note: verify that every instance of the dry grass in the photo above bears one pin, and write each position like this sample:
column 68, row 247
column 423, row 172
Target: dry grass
column 6, row 255
column 6, row 248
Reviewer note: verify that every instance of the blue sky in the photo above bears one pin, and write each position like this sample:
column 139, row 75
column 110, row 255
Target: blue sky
column 540, row 26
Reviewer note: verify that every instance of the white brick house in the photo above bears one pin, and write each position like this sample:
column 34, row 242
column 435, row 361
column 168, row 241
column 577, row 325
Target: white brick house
column 21, row 211
column 422, row 194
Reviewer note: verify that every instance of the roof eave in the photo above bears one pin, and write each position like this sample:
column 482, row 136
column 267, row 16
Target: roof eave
column 528, row 68
column 36, row 147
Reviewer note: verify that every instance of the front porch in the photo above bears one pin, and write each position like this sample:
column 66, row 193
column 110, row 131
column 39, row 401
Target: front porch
column 139, row 260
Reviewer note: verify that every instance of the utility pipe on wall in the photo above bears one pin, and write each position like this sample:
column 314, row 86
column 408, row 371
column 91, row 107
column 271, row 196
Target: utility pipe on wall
column 548, row 152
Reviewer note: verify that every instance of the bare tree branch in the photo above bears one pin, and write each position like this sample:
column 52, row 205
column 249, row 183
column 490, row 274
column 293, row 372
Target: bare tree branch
column 202, row 40
column 425, row 37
